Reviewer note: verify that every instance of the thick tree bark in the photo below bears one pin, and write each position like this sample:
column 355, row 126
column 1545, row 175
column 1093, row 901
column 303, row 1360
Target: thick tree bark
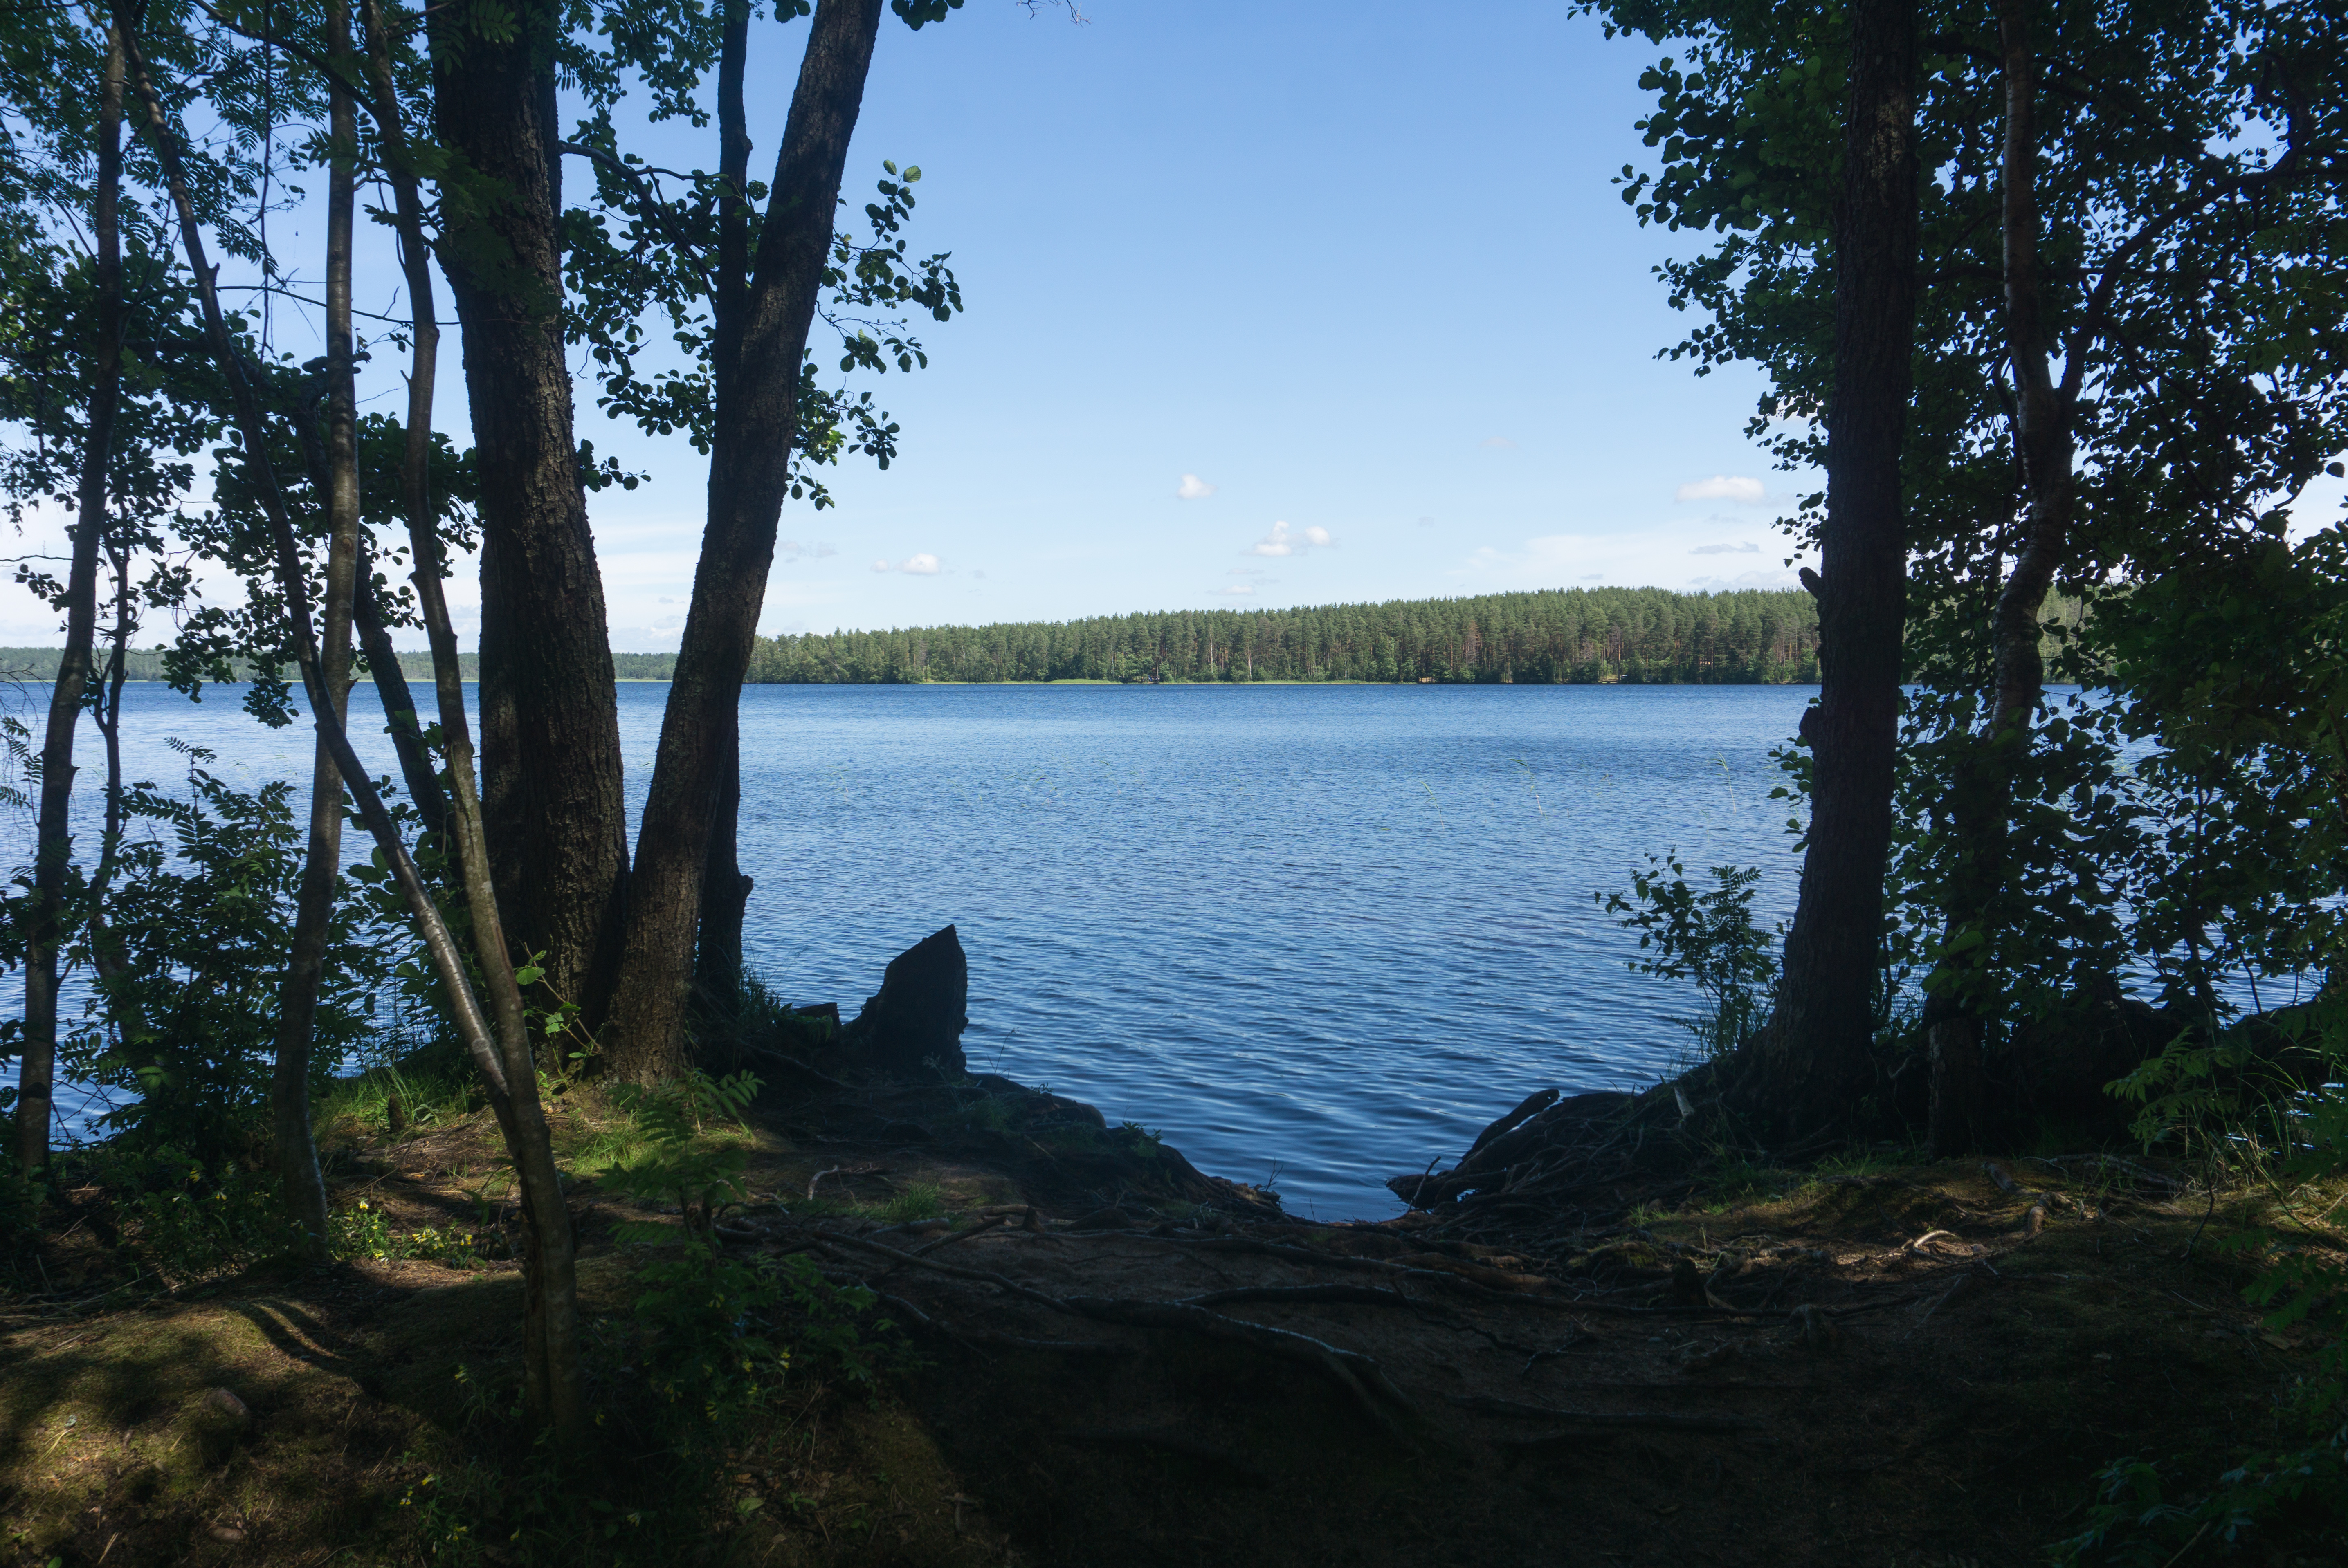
column 53, row 842
column 553, row 1336
column 552, row 1380
column 1814, row 1059
column 295, row 1149
column 2045, row 445
column 550, row 718
column 761, row 337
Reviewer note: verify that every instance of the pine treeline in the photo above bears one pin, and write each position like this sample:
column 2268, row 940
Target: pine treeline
column 1581, row 636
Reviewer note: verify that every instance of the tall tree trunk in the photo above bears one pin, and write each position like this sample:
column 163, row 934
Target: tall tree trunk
column 553, row 1337
column 1814, row 1058
column 295, row 1148
column 762, row 338
column 2046, row 448
column 550, row 718
column 551, row 1341
column 53, row 842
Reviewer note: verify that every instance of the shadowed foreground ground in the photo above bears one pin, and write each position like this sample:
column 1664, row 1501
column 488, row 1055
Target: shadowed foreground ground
column 1888, row 1368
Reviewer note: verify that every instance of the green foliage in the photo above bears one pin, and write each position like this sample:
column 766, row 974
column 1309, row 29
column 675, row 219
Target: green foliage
column 1707, row 937
column 715, row 1326
column 2289, row 1130
column 915, row 1200
column 678, row 1161
column 184, row 1011
column 1577, row 635
column 2191, row 300
column 396, row 1098
column 185, row 1221
column 363, row 1231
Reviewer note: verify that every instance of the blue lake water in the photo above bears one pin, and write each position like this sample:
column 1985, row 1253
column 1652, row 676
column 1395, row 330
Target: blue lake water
column 1314, row 934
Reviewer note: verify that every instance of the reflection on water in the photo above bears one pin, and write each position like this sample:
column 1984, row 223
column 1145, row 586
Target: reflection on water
column 1323, row 931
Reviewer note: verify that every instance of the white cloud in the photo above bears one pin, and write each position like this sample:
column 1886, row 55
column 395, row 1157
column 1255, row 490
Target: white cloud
column 792, row 549
column 921, row 565
column 1723, row 488
column 1237, row 588
column 1280, row 542
column 1427, row 522
column 1748, row 548
column 1497, row 444
column 1193, row 488
column 882, row 566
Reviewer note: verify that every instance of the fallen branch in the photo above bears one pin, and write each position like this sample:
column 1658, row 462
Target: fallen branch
column 985, row 1275
column 843, row 1171
column 981, row 1228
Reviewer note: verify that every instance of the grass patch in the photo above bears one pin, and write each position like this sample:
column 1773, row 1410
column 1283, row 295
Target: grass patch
column 916, row 1201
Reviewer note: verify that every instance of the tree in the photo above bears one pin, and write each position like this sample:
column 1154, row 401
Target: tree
column 743, row 284
column 296, row 1148
column 555, row 813
column 553, row 1384
column 1815, row 1055
column 2119, row 350
column 53, row 835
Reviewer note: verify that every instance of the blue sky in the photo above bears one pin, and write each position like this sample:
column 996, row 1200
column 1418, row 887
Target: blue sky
column 1269, row 304
column 1352, row 273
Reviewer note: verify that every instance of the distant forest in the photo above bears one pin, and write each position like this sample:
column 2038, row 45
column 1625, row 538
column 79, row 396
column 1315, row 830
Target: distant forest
column 147, row 664
column 1583, row 636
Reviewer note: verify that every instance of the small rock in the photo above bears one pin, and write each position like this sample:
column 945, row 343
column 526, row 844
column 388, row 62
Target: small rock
column 216, row 1421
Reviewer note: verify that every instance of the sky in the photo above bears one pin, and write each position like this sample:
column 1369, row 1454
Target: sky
column 1267, row 306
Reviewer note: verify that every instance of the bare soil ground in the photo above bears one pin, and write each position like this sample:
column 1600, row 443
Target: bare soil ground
column 1897, row 1367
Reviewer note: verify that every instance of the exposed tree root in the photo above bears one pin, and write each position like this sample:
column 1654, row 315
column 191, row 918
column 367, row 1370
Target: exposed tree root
column 1649, row 1421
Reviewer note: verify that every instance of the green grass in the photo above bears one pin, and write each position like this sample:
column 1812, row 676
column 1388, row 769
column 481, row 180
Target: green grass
column 918, row 1200
column 428, row 1098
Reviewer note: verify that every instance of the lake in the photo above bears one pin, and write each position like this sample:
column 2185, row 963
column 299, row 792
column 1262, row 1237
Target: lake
column 1316, row 935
